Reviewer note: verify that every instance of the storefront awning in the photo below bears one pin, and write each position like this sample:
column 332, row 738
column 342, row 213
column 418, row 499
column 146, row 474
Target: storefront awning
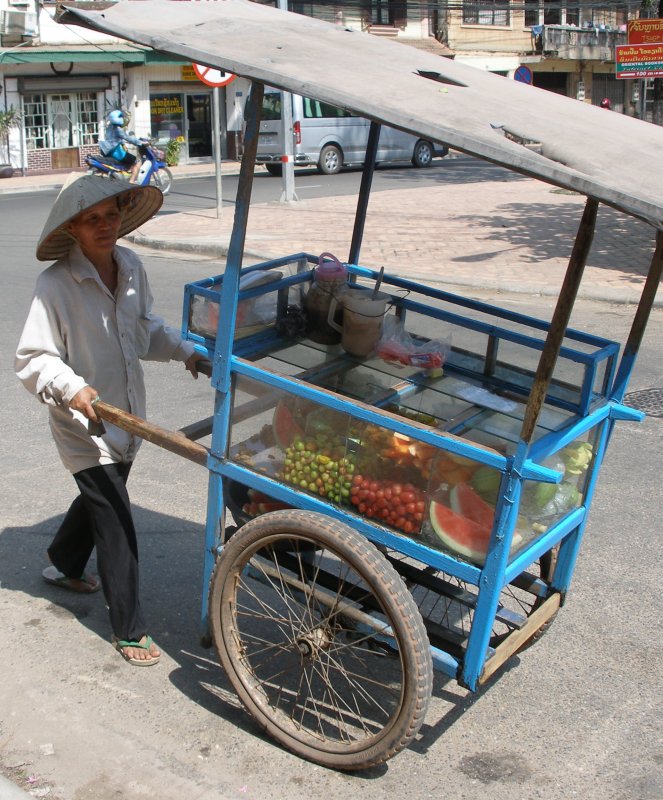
column 78, row 55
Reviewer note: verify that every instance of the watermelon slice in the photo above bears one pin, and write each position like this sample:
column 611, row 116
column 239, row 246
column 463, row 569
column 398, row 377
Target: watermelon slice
column 285, row 426
column 465, row 528
column 466, row 502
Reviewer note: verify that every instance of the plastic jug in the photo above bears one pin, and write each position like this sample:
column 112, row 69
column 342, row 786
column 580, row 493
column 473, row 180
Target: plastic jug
column 363, row 314
column 329, row 283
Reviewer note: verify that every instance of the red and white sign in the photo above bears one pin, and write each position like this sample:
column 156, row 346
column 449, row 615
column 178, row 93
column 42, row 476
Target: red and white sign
column 212, row 76
column 645, row 31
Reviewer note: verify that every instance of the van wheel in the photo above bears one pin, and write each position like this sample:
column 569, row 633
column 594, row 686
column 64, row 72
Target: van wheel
column 331, row 160
column 423, row 154
column 275, row 170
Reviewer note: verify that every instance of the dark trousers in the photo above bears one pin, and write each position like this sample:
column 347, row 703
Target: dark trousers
column 101, row 517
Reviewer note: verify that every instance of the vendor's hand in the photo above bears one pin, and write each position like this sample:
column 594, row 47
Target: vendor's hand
column 82, row 401
column 192, row 363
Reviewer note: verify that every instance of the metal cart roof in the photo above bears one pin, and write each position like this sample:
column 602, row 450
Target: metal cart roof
column 602, row 154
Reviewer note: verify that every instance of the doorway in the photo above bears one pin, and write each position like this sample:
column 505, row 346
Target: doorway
column 59, row 114
column 199, row 124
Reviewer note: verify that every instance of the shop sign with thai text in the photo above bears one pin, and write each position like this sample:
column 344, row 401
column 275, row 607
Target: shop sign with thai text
column 645, row 31
column 639, row 60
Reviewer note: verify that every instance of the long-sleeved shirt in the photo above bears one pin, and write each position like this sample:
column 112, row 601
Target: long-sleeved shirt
column 115, row 135
column 79, row 334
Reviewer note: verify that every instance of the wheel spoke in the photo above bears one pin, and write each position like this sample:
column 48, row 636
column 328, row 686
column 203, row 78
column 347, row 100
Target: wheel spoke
column 315, row 634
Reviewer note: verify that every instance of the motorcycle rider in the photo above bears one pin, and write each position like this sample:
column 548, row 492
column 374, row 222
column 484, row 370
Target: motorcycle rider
column 112, row 145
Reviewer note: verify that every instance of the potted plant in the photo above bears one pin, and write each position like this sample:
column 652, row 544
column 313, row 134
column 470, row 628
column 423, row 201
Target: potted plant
column 9, row 118
column 173, row 151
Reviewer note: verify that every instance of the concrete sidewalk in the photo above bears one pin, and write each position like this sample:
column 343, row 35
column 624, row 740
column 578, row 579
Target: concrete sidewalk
column 504, row 234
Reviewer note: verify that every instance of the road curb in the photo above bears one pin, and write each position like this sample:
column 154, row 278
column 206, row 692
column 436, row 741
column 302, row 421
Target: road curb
column 49, row 185
column 605, row 295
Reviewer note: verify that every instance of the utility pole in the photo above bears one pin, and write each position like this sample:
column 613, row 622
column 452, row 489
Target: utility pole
column 288, row 193
column 648, row 9
column 658, row 85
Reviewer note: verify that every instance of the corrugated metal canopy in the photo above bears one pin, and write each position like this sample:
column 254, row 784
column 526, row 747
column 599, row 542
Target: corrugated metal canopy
column 599, row 153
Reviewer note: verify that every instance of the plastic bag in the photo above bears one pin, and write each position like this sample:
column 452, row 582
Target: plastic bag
column 397, row 346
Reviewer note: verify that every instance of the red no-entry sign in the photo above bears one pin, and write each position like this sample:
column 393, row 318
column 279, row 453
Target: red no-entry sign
column 212, row 76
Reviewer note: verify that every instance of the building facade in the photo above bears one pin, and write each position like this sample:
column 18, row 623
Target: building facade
column 65, row 80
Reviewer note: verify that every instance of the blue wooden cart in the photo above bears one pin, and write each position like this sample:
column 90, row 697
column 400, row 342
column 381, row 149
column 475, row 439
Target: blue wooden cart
column 391, row 518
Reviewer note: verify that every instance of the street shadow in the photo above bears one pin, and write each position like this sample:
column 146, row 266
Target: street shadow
column 448, row 171
column 540, row 232
column 171, row 588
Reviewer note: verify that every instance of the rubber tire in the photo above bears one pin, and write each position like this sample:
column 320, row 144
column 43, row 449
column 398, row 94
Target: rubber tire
column 422, row 156
column 275, row 170
column 331, row 160
column 163, row 179
column 317, row 534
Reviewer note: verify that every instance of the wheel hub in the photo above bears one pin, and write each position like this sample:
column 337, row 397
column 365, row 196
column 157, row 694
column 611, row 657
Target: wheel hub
column 312, row 642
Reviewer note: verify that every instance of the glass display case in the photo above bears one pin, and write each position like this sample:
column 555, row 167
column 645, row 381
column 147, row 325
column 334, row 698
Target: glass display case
column 415, row 437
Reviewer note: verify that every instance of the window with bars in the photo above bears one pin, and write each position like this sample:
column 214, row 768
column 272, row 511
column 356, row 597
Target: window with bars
column 486, row 13
column 60, row 120
column 87, row 118
column 36, row 121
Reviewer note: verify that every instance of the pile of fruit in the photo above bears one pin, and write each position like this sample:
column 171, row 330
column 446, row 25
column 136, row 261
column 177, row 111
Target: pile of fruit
column 422, row 461
column 319, row 465
column 260, row 503
column 400, row 505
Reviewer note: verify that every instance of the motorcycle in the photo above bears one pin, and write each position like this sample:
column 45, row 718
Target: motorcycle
column 153, row 167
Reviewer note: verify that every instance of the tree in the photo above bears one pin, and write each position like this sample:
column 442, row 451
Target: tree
column 10, row 118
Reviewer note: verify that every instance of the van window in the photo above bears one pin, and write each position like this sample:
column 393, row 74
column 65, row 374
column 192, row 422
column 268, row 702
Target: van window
column 271, row 106
column 314, row 109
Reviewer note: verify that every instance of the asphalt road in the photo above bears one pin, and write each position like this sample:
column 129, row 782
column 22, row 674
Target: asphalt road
column 18, row 211
column 577, row 715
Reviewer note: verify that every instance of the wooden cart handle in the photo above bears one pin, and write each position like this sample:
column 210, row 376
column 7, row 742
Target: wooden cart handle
column 170, row 440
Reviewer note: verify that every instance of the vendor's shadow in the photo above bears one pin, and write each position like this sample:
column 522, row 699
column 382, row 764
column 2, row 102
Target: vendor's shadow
column 171, row 553
column 171, row 562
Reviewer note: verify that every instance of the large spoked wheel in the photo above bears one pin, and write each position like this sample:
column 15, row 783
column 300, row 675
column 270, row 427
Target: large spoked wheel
column 321, row 639
column 163, row 179
column 448, row 603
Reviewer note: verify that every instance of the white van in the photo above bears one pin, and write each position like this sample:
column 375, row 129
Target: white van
column 331, row 138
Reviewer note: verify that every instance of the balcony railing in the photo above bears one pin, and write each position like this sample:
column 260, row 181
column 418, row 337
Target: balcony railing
column 585, row 43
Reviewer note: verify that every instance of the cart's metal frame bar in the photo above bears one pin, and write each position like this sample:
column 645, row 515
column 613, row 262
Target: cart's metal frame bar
column 226, row 366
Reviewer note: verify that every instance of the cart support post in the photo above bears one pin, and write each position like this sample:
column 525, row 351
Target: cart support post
column 560, row 319
column 364, row 191
column 225, row 334
column 639, row 322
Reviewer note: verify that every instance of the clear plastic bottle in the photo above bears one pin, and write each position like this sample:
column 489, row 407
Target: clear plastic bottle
column 329, row 282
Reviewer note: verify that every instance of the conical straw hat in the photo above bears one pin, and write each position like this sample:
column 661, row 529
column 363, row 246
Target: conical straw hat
column 80, row 193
